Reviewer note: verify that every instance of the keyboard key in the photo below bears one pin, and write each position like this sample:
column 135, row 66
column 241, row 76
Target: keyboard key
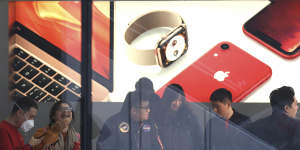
column 34, row 62
column 61, row 79
column 49, row 99
column 16, row 77
column 24, row 86
column 29, row 72
column 41, row 80
column 75, row 88
column 16, row 94
column 68, row 96
column 48, row 70
column 54, row 88
column 17, row 64
column 20, row 53
column 36, row 94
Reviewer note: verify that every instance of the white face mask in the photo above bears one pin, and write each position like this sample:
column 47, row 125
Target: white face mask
column 27, row 125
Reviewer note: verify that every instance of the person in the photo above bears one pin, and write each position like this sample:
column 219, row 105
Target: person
column 220, row 130
column 59, row 134
column 145, row 86
column 281, row 129
column 178, row 127
column 131, row 128
column 21, row 117
column 221, row 100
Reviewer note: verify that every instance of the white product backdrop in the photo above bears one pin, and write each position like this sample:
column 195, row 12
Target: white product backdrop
column 208, row 23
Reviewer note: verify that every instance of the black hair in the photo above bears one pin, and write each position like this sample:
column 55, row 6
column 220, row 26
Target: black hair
column 172, row 92
column 281, row 97
column 144, row 84
column 221, row 95
column 182, row 115
column 55, row 107
column 24, row 103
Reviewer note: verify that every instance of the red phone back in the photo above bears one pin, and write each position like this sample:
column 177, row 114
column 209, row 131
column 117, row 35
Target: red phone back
column 200, row 79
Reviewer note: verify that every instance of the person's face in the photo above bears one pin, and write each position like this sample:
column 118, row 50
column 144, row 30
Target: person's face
column 64, row 113
column 222, row 109
column 143, row 111
column 292, row 110
column 175, row 105
column 29, row 115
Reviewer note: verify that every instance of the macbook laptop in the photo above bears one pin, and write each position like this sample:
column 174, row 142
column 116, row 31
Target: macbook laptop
column 45, row 50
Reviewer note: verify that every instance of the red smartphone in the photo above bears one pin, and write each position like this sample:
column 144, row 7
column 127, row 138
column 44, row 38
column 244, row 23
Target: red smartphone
column 224, row 66
column 277, row 27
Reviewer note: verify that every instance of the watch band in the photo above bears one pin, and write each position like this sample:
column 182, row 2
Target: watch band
column 144, row 23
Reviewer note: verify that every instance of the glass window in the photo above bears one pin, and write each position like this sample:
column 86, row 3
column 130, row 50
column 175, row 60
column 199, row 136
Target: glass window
column 44, row 65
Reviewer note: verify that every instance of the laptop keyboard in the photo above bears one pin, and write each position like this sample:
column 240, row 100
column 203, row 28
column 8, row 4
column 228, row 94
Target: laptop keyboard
column 30, row 77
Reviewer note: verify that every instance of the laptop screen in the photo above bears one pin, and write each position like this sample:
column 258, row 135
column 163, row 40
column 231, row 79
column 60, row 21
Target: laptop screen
column 59, row 22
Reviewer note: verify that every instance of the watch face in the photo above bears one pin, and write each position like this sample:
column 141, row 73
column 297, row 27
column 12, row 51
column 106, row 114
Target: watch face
column 175, row 48
column 172, row 47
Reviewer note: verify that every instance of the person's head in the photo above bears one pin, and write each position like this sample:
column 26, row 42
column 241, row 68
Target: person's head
column 144, row 85
column 221, row 100
column 61, row 110
column 139, row 106
column 24, row 111
column 284, row 99
column 174, row 96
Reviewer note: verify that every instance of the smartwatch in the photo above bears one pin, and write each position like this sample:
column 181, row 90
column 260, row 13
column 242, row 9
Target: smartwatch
column 168, row 49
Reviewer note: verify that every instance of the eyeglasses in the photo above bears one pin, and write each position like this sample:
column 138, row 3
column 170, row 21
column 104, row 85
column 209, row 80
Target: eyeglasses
column 65, row 109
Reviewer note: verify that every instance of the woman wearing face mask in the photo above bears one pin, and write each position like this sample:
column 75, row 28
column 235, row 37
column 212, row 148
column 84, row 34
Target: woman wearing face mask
column 59, row 134
column 21, row 116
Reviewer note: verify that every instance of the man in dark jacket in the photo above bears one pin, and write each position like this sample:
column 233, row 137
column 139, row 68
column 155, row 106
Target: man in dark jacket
column 221, row 129
column 221, row 100
column 280, row 129
column 131, row 128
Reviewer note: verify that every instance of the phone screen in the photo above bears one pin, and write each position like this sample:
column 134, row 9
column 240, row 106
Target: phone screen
column 278, row 25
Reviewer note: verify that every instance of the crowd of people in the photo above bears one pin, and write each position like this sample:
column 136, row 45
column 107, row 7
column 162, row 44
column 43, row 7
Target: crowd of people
column 57, row 135
column 147, row 121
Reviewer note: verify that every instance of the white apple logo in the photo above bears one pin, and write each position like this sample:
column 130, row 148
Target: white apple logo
column 221, row 75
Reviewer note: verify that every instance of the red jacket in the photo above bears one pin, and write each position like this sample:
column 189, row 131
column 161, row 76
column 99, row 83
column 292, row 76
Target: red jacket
column 11, row 138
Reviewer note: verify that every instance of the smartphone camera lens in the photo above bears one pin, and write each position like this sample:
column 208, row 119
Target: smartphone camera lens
column 224, row 46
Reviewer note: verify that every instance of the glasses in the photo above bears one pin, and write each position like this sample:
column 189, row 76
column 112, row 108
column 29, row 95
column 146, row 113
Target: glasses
column 65, row 109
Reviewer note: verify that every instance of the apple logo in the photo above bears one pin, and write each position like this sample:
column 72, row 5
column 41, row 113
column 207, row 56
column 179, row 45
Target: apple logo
column 221, row 75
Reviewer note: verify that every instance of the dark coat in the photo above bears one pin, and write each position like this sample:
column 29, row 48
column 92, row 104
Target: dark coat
column 180, row 131
column 278, row 130
column 221, row 134
column 121, row 133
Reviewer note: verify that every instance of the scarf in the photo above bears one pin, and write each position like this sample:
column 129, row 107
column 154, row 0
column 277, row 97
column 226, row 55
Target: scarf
column 71, row 138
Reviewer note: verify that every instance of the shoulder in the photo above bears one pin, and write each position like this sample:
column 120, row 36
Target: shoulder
column 239, row 118
column 7, row 128
column 116, row 119
column 258, row 124
column 4, row 124
column 242, row 116
column 114, row 122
